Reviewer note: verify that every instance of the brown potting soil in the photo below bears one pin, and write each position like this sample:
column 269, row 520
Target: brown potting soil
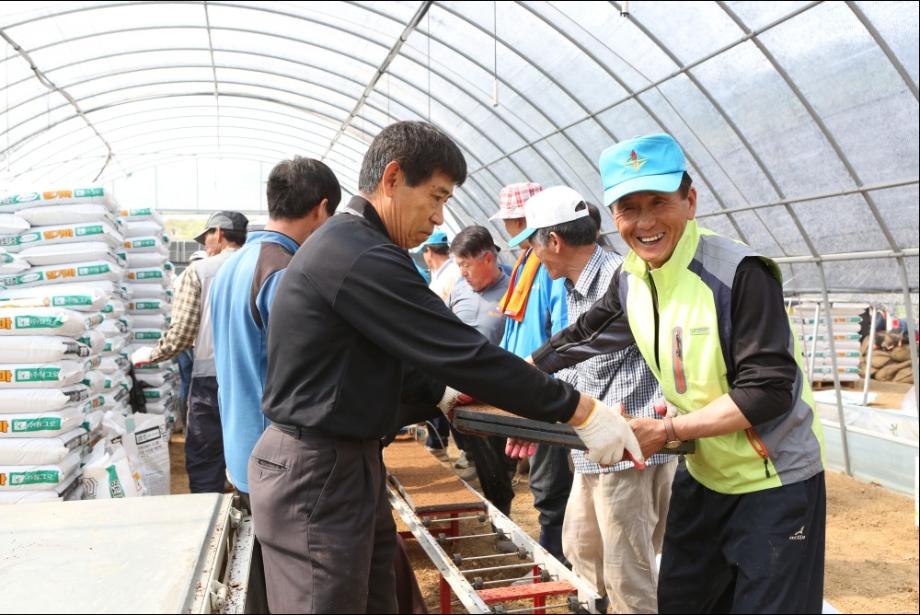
column 487, row 409
column 427, row 484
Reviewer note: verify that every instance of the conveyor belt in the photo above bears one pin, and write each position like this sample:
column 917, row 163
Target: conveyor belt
column 482, row 583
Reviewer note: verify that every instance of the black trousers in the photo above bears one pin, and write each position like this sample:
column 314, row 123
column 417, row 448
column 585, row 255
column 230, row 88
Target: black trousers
column 550, row 482
column 760, row 552
column 493, row 468
column 204, row 438
column 321, row 513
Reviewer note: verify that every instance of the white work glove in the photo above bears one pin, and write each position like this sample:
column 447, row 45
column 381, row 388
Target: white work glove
column 450, row 399
column 606, row 435
column 142, row 355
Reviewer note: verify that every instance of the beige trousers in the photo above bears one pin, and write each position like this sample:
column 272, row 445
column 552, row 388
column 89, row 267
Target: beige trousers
column 614, row 526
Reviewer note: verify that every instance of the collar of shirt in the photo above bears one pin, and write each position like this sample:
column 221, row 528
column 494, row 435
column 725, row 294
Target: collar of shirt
column 588, row 274
column 278, row 237
column 502, row 278
column 359, row 206
column 443, row 268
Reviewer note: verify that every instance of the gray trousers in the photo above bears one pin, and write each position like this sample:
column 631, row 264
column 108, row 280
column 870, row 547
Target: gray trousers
column 321, row 513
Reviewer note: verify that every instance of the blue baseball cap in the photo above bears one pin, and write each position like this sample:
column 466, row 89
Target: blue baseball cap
column 436, row 238
column 651, row 162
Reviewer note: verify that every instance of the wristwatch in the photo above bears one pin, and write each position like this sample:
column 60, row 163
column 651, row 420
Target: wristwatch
column 673, row 441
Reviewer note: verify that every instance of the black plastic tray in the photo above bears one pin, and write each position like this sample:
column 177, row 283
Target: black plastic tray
column 474, row 420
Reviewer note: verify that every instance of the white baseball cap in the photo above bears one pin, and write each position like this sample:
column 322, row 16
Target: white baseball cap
column 555, row 205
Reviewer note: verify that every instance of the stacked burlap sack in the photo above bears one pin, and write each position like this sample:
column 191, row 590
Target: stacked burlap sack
column 890, row 359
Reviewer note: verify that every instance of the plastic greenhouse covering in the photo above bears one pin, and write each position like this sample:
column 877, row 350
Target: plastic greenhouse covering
column 799, row 119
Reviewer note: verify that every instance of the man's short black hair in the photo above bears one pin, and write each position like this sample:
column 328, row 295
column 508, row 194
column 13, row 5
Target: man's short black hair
column 473, row 242
column 237, row 237
column 580, row 232
column 419, row 148
column 684, row 188
column 296, row 187
column 438, row 248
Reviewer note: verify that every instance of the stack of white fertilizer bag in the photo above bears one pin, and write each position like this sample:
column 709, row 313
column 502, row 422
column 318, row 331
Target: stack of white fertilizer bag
column 811, row 321
column 63, row 333
column 149, row 284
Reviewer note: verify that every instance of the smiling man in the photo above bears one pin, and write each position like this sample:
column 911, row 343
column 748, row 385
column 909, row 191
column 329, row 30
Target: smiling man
column 615, row 515
column 745, row 529
column 351, row 326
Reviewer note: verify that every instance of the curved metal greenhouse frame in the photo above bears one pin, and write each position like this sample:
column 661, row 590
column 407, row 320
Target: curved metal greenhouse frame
column 799, row 119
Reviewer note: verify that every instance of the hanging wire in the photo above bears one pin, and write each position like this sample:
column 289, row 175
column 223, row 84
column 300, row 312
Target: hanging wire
column 6, row 66
column 494, row 53
column 429, row 65
column 52, row 87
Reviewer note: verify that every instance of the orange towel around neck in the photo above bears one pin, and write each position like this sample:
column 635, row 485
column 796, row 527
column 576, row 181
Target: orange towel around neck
column 514, row 303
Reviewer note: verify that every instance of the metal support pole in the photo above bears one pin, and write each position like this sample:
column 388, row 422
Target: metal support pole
column 841, row 416
column 445, row 595
column 563, row 605
column 428, row 521
column 911, row 327
column 505, row 567
column 872, row 313
column 814, row 344
column 459, row 559
column 445, row 538
column 538, row 601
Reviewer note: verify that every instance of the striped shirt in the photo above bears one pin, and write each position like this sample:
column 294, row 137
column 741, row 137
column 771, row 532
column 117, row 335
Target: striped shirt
column 613, row 378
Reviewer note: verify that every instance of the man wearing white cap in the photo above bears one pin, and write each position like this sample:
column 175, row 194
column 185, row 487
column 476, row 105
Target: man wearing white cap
column 614, row 520
column 746, row 525
column 534, row 306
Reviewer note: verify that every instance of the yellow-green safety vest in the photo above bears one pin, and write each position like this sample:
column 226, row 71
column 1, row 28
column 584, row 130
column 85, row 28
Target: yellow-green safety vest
column 693, row 291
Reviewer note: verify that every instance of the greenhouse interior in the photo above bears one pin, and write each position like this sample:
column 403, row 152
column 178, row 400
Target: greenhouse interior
column 696, row 221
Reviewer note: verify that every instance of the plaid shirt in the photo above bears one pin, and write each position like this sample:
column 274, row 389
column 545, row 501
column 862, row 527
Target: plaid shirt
column 186, row 316
column 620, row 376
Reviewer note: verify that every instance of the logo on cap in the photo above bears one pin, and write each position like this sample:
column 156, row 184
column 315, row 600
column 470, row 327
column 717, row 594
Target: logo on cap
column 634, row 161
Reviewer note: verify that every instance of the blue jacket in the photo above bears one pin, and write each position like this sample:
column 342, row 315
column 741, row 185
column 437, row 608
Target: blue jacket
column 545, row 315
column 241, row 297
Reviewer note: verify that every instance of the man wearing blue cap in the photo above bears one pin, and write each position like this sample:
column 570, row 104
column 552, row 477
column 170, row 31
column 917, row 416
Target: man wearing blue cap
column 444, row 275
column 444, row 271
column 745, row 530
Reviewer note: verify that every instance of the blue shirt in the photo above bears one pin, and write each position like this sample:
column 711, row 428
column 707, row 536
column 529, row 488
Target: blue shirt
column 545, row 315
column 241, row 298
